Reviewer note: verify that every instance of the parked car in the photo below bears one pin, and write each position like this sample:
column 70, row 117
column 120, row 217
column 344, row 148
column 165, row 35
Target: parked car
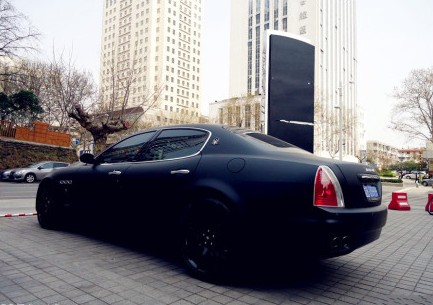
column 427, row 181
column 219, row 190
column 414, row 175
column 32, row 172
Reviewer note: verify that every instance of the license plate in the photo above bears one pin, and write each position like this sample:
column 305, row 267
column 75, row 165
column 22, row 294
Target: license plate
column 371, row 192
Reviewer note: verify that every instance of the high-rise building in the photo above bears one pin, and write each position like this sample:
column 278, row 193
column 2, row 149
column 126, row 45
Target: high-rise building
column 330, row 25
column 151, row 55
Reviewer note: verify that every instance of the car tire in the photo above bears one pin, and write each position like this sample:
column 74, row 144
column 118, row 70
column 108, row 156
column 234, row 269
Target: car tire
column 424, row 183
column 207, row 242
column 30, row 178
column 47, row 208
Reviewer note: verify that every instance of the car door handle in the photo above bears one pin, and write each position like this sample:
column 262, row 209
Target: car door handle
column 180, row 172
column 115, row 173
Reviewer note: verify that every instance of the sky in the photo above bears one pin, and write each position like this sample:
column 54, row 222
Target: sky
column 394, row 37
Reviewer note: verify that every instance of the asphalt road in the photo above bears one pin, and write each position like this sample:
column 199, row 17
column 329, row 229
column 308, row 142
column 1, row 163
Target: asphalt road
column 17, row 197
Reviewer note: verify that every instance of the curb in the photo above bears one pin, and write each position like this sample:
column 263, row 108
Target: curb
column 17, row 215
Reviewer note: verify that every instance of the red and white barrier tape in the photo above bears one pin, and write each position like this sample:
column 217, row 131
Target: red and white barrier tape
column 20, row 214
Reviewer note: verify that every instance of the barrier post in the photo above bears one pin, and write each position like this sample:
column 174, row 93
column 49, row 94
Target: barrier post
column 429, row 199
column 399, row 202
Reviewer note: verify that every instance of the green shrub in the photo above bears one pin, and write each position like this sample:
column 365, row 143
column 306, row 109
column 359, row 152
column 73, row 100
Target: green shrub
column 387, row 173
column 391, row 180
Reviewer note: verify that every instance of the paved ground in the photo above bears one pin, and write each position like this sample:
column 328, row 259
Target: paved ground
column 56, row 267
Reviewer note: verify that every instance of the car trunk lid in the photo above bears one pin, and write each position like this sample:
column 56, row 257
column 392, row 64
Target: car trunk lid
column 361, row 185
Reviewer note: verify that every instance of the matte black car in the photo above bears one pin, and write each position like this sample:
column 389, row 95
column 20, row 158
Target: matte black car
column 220, row 190
column 32, row 172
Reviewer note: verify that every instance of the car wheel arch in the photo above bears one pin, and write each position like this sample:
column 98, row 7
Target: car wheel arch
column 227, row 197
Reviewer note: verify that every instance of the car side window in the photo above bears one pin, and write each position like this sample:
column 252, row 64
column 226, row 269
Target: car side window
column 175, row 143
column 125, row 150
column 60, row 165
column 47, row 165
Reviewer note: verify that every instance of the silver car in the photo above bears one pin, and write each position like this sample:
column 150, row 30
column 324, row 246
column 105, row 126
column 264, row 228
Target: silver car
column 32, row 172
column 427, row 181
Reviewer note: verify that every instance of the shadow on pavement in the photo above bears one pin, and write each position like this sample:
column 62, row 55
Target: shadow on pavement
column 249, row 272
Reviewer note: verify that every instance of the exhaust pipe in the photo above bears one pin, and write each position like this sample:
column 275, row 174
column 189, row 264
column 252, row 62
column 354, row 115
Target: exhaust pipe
column 340, row 243
column 335, row 243
column 345, row 242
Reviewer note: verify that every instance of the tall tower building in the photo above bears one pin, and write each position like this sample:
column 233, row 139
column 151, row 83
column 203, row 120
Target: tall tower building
column 151, row 55
column 330, row 25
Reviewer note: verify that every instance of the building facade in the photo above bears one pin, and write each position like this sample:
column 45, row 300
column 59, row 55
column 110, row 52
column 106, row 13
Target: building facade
column 330, row 25
column 411, row 154
column 382, row 155
column 244, row 111
column 151, row 58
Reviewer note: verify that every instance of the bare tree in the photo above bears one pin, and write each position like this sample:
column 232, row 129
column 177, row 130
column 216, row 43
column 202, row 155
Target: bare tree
column 16, row 33
column 110, row 113
column 23, row 75
column 71, row 99
column 327, row 128
column 119, row 88
column 413, row 112
column 67, row 92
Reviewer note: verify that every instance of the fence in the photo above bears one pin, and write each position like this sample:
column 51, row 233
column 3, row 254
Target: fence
column 38, row 134
column 7, row 129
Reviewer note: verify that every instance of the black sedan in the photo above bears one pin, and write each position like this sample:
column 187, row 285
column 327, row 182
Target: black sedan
column 222, row 192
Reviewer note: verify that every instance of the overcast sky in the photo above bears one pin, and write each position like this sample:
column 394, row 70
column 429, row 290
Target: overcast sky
column 394, row 37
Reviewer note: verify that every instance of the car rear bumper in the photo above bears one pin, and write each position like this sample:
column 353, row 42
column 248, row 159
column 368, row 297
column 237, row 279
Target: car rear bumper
column 334, row 231
column 329, row 232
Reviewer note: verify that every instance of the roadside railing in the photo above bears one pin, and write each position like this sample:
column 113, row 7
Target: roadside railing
column 7, row 129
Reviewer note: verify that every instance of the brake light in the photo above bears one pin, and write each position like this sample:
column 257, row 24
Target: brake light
column 327, row 189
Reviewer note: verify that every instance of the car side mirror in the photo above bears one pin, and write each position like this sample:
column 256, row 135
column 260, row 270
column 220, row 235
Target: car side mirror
column 87, row 158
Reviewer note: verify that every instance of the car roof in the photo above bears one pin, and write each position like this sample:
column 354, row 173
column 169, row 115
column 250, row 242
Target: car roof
column 236, row 134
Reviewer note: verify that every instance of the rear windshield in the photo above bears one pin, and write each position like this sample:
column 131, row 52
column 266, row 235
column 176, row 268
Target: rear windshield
column 260, row 137
column 269, row 139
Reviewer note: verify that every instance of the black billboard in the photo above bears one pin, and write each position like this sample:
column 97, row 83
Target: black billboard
column 289, row 92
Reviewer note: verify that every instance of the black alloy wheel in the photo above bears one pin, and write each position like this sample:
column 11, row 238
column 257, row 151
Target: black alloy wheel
column 47, row 210
column 207, row 246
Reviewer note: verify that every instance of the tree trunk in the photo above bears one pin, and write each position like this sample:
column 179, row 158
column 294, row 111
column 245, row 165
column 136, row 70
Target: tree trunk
column 100, row 143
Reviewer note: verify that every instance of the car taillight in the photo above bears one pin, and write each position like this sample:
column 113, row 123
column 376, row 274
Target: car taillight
column 327, row 189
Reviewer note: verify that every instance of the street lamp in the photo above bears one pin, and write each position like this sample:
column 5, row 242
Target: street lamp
column 340, row 107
